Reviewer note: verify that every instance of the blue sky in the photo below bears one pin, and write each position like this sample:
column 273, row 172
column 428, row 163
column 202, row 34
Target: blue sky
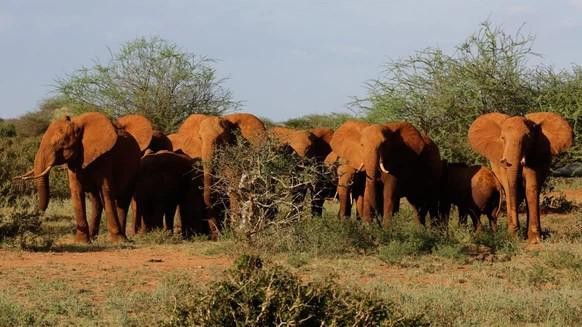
column 283, row 59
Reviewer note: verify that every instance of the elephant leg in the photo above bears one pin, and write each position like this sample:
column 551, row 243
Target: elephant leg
column 444, row 212
column 492, row 221
column 318, row 193
column 96, row 209
column 138, row 221
column 358, row 194
column 476, row 219
column 416, row 215
column 113, row 224
column 178, row 220
column 169, row 213
column 390, row 198
column 462, row 216
column 317, row 206
column 147, row 213
column 78, row 202
column 532, row 194
column 158, row 215
column 123, row 203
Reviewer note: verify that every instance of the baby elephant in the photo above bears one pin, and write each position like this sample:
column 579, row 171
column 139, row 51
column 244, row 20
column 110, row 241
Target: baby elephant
column 167, row 181
column 474, row 190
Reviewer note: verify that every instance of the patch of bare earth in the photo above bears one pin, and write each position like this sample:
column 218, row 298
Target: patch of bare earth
column 101, row 271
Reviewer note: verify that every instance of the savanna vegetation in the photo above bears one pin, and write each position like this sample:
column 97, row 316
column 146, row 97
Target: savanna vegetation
column 294, row 268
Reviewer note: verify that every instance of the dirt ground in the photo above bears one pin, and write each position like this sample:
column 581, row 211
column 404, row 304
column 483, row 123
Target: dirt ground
column 97, row 271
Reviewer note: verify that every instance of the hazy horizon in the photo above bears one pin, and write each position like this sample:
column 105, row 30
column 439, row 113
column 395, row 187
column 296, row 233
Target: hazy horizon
column 282, row 59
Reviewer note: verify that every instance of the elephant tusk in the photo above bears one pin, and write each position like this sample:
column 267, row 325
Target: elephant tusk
column 384, row 170
column 27, row 174
column 522, row 162
column 360, row 168
column 46, row 171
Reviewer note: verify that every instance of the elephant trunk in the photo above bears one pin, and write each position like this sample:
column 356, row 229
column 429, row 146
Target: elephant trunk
column 41, row 169
column 512, row 171
column 371, row 169
column 207, row 157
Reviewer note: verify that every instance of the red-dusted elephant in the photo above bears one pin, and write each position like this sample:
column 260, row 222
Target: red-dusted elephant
column 395, row 159
column 102, row 158
column 520, row 150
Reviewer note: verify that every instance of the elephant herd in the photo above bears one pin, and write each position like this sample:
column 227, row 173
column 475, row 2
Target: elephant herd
column 126, row 162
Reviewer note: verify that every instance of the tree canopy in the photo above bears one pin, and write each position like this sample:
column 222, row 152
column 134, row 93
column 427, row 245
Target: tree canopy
column 490, row 71
column 152, row 77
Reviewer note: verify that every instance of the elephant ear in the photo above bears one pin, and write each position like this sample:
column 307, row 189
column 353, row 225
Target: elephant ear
column 176, row 141
column 331, row 159
column 484, row 135
column 554, row 128
column 139, row 127
column 98, row 135
column 188, row 137
column 408, row 139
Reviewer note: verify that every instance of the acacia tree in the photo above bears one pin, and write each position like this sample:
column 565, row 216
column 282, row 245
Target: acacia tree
column 152, row 77
column 490, row 71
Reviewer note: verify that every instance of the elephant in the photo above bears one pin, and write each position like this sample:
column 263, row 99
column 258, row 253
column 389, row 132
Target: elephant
column 520, row 150
column 102, row 158
column 420, row 181
column 474, row 190
column 390, row 153
column 312, row 145
column 200, row 135
column 349, row 184
column 167, row 180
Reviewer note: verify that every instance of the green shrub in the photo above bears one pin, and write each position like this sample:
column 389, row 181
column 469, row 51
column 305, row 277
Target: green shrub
column 253, row 295
column 22, row 228
column 15, row 222
column 7, row 129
